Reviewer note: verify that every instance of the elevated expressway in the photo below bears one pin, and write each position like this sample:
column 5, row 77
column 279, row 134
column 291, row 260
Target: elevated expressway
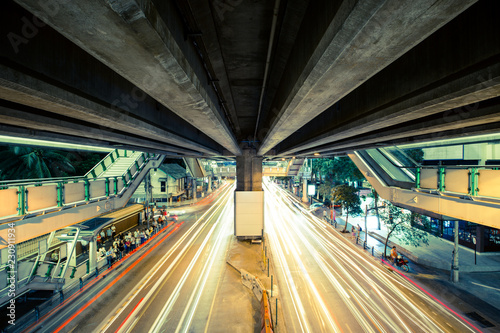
column 258, row 80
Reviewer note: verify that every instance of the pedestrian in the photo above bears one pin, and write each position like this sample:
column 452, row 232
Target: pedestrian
column 84, row 244
column 358, row 229
column 132, row 243
column 353, row 232
column 109, row 257
column 109, row 233
column 324, row 215
column 394, row 254
column 126, row 245
column 113, row 230
column 103, row 236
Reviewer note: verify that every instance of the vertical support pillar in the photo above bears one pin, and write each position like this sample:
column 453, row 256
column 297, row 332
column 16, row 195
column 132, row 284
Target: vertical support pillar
column 249, row 197
column 71, row 259
column 480, row 238
column 93, row 254
column 194, row 189
column 304, row 190
column 209, row 190
column 454, row 268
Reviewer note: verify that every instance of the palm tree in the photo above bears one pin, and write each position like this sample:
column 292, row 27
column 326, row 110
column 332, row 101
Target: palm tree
column 31, row 163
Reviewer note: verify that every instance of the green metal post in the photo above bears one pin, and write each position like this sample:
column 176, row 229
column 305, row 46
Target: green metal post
column 87, row 189
column 441, row 174
column 21, row 200
column 124, row 180
column 93, row 173
column 129, row 174
column 276, row 323
column 124, row 153
column 60, row 194
column 473, row 181
column 271, row 285
column 107, row 186
column 88, row 266
column 115, row 185
column 137, row 165
column 112, row 158
column 103, row 165
column 417, row 178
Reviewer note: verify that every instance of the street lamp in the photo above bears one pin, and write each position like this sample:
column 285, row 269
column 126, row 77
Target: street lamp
column 475, row 248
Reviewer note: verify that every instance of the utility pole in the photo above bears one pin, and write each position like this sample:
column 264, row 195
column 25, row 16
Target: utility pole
column 454, row 267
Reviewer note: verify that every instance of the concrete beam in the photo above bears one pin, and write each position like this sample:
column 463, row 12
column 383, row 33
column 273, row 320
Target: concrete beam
column 358, row 41
column 434, row 77
column 470, row 120
column 28, row 90
column 82, row 134
column 134, row 40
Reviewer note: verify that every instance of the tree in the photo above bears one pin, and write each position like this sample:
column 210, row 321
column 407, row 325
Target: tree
column 29, row 163
column 401, row 223
column 325, row 190
column 347, row 196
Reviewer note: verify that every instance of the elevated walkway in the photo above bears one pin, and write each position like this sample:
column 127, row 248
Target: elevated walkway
column 462, row 193
column 54, row 214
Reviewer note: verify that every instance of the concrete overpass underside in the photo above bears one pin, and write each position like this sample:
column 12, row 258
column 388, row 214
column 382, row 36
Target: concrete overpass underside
column 237, row 78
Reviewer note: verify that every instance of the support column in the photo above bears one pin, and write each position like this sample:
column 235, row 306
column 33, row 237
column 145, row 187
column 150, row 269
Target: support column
column 69, row 246
column 454, row 268
column 249, row 197
column 209, row 190
column 249, row 171
column 194, row 189
column 304, row 190
column 93, row 254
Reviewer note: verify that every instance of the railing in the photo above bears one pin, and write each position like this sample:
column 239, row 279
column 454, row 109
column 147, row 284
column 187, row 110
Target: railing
column 42, row 196
column 475, row 182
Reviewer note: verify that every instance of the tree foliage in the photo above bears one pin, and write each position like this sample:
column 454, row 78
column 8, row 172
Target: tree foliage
column 339, row 169
column 347, row 196
column 22, row 162
column 401, row 223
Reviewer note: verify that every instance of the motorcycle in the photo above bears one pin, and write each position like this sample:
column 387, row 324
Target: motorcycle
column 402, row 263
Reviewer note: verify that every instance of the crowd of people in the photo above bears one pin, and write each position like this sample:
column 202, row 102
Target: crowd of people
column 124, row 243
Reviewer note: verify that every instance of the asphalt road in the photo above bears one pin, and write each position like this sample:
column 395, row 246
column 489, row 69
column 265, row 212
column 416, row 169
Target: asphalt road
column 169, row 285
column 328, row 285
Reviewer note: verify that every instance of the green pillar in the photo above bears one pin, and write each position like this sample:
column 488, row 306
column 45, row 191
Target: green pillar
column 441, row 173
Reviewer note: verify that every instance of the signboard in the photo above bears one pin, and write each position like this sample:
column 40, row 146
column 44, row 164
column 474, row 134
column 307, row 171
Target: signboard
column 311, row 189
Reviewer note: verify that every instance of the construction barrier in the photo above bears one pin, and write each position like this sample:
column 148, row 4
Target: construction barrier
column 265, row 309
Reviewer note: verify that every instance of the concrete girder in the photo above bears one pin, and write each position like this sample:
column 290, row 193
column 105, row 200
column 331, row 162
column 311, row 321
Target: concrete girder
column 361, row 39
column 84, row 134
column 436, row 76
column 469, row 121
column 134, row 40
column 27, row 90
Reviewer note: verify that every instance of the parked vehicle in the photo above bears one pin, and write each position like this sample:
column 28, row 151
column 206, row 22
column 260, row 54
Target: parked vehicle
column 315, row 206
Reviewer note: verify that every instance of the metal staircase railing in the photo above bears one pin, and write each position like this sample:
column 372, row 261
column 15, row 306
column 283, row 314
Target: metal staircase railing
column 42, row 196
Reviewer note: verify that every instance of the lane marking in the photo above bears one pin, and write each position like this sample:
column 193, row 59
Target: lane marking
column 135, row 307
column 482, row 285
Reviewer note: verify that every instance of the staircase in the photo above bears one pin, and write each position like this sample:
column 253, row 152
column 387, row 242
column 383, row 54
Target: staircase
column 120, row 165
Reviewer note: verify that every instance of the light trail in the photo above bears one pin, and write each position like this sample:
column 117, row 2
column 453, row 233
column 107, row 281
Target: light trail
column 358, row 293
column 181, row 246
